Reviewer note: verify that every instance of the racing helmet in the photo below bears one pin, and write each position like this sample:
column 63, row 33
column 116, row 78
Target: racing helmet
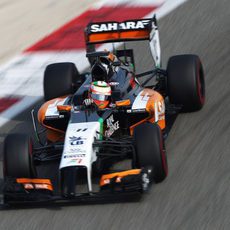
column 100, row 92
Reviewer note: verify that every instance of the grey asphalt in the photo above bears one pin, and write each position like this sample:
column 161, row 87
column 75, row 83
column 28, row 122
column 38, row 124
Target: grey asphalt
column 196, row 194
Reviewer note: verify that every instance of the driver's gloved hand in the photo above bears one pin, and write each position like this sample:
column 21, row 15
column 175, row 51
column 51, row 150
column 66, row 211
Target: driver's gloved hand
column 88, row 102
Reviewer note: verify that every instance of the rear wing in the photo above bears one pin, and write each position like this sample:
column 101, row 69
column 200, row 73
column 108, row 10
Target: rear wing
column 131, row 30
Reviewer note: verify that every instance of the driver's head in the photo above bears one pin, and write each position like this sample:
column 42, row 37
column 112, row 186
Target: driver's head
column 100, row 92
column 99, row 72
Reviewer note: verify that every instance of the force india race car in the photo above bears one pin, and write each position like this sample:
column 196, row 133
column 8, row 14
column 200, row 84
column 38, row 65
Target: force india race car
column 87, row 141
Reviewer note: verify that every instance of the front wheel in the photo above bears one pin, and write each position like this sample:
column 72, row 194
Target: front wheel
column 150, row 150
column 17, row 158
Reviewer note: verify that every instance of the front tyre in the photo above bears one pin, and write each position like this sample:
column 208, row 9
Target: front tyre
column 185, row 82
column 17, row 158
column 150, row 151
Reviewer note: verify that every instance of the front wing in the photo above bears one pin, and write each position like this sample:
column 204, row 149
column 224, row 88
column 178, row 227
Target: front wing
column 126, row 186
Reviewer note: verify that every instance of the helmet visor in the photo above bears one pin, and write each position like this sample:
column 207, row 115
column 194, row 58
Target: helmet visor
column 100, row 97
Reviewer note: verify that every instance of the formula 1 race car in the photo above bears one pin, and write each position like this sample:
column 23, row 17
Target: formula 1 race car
column 88, row 132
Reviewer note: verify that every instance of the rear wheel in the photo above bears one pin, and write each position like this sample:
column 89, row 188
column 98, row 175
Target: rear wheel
column 150, row 150
column 61, row 79
column 185, row 82
column 18, row 159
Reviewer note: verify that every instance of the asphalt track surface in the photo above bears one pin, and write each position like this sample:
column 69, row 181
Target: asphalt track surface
column 196, row 193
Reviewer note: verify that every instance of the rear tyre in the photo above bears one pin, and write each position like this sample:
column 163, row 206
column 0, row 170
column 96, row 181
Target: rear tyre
column 17, row 158
column 150, row 151
column 61, row 79
column 185, row 82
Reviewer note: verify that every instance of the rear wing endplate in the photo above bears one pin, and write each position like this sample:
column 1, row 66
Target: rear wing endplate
column 131, row 30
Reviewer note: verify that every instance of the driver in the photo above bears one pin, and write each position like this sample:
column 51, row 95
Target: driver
column 99, row 94
column 100, row 89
